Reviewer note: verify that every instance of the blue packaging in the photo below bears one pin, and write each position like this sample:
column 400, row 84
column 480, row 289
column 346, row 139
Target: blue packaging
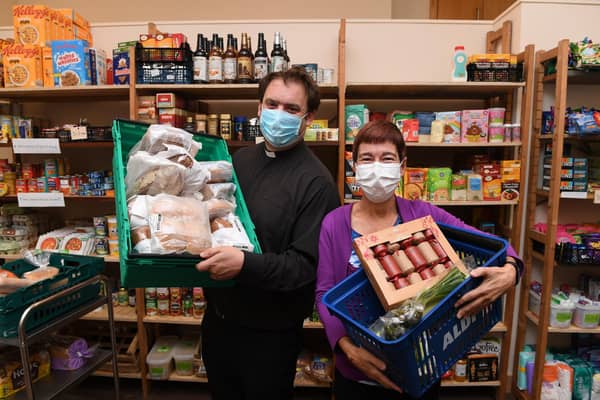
column 121, row 65
column 71, row 63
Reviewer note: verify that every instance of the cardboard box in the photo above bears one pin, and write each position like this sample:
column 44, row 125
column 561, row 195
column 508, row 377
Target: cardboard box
column 319, row 124
column 492, row 182
column 22, row 66
column 458, row 190
column 321, row 134
column 474, row 187
column 511, row 183
column 47, row 67
column 415, row 183
column 146, row 101
column 452, row 125
column 410, row 130
column 169, row 100
column 357, row 115
column 366, row 248
column 77, row 19
column 121, row 67
column 439, row 183
column 71, row 63
column 98, row 66
column 482, row 367
column 351, row 189
column 510, row 164
column 145, row 113
column 172, row 116
column 83, row 34
column 348, row 164
column 474, row 127
column 31, row 24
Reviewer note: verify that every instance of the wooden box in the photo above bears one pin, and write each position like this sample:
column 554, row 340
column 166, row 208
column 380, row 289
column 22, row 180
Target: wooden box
column 405, row 242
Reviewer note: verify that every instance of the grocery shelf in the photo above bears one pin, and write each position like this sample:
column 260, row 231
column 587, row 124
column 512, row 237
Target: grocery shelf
column 86, row 145
column 58, row 381
column 222, row 91
column 312, row 325
column 67, row 197
column 452, row 383
column 572, row 329
column 521, row 394
column 13, row 257
column 461, row 203
column 567, row 195
column 586, row 138
column 175, row 320
column 74, row 93
column 311, row 384
column 120, row 313
column 430, row 90
column 183, row 378
column 324, row 143
column 577, row 77
column 126, row 375
column 469, row 145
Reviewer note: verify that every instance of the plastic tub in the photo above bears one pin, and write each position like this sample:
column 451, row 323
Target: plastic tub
column 183, row 354
column 496, row 115
column 587, row 316
column 561, row 315
column 160, row 357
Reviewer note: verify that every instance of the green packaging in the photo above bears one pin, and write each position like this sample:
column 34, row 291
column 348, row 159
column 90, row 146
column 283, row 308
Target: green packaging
column 357, row 115
column 439, row 182
column 458, row 190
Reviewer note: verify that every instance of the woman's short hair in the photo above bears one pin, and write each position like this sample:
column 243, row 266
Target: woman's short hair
column 379, row 131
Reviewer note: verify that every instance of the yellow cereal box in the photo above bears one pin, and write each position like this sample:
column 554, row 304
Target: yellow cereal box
column 75, row 17
column 47, row 67
column 31, row 24
column 53, row 31
column 22, row 66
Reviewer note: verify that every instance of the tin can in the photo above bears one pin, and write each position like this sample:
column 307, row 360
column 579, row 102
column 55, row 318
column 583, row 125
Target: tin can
column 188, row 307
column 115, row 298
column 175, row 293
column 163, row 306
column 75, row 179
column 50, row 167
column 27, row 171
column 42, row 184
column 123, row 297
column 65, row 185
column 101, row 245
column 151, row 307
column 100, row 226
column 198, row 308
column 32, row 185
column 150, row 293
column 86, row 187
column 21, row 185
column 162, row 293
column 53, row 184
column 107, row 186
column 175, row 309
column 98, row 192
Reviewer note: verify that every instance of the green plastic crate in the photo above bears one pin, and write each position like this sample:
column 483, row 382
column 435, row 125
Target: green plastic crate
column 72, row 270
column 164, row 270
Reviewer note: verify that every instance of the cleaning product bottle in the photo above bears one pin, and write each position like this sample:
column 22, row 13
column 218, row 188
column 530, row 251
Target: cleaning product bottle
column 459, row 64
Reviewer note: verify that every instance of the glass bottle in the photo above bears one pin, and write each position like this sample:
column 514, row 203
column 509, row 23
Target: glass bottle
column 285, row 55
column 244, row 62
column 277, row 56
column 200, row 62
column 229, row 62
column 215, row 62
column 261, row 59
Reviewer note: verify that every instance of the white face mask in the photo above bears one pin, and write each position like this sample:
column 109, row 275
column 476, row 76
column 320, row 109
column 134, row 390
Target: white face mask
column 378, row 180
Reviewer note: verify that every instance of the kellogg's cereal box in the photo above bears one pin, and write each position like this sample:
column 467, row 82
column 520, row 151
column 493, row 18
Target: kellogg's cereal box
column 32, row 24
column 75, row 17
column 22, row 65
column 71, row 63
column 47, row 67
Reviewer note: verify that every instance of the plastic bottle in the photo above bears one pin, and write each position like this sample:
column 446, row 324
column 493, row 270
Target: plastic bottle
column 459, row 64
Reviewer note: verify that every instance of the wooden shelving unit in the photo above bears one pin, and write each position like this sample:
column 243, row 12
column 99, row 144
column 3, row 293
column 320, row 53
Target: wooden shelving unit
column 450, row 203
column 562, row 80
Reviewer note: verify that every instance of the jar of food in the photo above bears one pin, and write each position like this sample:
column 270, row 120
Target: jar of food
column 225, row 130
column 240, row 125
column 253, row 130
column 201, row 120
column 123, row 297
column 213, row 124
column 460, row 370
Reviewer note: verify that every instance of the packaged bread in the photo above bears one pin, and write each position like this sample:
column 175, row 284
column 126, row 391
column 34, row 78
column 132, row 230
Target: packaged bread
column 157, row 137
column 219, row 208
column 9, row 282
column 147, row 174
column 40, row 274
column 219, row 171
column 229, row 231
column 178, row 224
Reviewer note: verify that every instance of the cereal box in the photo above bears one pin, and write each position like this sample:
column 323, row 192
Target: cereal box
column 439, row 183
column 83, row 34
column 47, row 67
column 31, row 24
column 121, row 66
column 415, row 187
column 492, row 182
column 75, row 17
column 71, row 63
column 452, row 125
column 474, row 127
column 22, row 66
column 98, row 66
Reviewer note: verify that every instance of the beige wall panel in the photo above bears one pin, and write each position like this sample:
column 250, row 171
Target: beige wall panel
column 410, row 9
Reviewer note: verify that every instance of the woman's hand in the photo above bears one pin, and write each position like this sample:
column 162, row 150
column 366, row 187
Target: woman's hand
column 496, row 282
column 367, row 363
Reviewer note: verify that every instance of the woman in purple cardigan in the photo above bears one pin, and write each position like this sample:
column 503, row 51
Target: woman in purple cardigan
column 379, row 157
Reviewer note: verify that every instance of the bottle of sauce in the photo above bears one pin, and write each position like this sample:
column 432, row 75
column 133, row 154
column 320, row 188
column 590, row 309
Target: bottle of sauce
column 229, row 62
column 215, row 62
column 285, row 55
column 244, row 62
column 460, row 370
column 261, row 59
column 200, row 62
column 277, row 56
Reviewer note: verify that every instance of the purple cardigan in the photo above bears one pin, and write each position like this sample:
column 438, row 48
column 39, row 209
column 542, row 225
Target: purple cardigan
column 335, row 247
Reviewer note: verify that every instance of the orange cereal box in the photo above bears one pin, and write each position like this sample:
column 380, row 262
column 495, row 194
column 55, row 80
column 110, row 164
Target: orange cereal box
column 47, row 67
column 75, row 17
column 54, row 26
column 31, row 24
column 22, row 66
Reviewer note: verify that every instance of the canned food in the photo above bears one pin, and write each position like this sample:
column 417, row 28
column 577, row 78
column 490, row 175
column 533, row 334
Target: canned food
column 86, row 187
column 108, row 186
column 101, row 245
column 75, row 183
column 53, row 184
column 100, row 226
column 32, row 185
column 150, row 293
column 65, row 185
column 163, row 306
column 50, row 167
column 21, row 185
column 123, row 297
column 151, row 307
column 188, row 307
column 175, row 308
column 42, row 184
column 98, row 192
column 27, row 171
column 162, row 293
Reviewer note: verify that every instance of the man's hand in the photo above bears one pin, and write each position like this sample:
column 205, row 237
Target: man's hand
column 496, row 282
column 367, row 363
column 221, row 263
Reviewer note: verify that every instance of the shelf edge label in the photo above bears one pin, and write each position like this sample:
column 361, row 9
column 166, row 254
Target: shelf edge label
column 35, row 146
column 52, row 199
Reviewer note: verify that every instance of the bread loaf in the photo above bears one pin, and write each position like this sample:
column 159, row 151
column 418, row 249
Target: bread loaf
column 39, row 274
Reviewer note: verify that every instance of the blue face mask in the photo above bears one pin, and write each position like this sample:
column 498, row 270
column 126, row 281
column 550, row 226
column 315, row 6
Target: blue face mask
column 279, row 128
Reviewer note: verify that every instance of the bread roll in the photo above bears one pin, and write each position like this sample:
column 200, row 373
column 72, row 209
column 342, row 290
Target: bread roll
column 39, row 274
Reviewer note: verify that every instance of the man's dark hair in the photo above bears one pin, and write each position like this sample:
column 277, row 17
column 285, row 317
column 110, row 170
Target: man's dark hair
column 298, row 75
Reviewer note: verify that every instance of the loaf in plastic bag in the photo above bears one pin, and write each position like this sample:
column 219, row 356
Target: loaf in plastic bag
column 222, row 191
column 178, row 225
column 147, row 174
column 157, row 137
column 219, row 171
column 229, row 231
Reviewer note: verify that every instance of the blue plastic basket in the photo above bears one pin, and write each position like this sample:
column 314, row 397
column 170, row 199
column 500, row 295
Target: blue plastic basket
column 419, row 358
